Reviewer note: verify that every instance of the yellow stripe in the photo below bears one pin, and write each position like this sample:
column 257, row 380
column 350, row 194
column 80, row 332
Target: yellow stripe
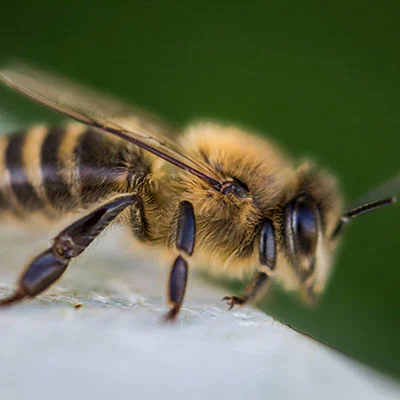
column 31, row 158
column 68, row 167
column 5, row 179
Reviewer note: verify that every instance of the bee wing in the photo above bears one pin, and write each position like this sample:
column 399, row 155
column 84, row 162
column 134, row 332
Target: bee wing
column 102, row 112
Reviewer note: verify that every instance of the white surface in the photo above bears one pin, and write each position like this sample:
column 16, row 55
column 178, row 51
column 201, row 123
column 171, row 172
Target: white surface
column 115, row 345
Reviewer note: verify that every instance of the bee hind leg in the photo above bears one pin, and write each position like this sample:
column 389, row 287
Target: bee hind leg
column 255, row 289
column 185, row 240
column 48, row 266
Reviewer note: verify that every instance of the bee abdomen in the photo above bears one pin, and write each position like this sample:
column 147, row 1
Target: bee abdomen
column 18, row 193
column 52, row 170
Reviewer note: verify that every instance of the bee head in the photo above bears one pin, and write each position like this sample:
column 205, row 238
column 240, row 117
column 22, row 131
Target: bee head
column 313, row 223
column 310, row 214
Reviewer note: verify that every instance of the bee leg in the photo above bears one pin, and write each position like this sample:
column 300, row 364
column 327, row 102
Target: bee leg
column 185, row 240
column 177, row 286
column 138, row 221
column 267, row 257
column 256, row 288
column 48, row 266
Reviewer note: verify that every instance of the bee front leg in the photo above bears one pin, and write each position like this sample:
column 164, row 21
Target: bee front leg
column 185, row 240
column 267, row 259
column 48, row 266
column 255, row 289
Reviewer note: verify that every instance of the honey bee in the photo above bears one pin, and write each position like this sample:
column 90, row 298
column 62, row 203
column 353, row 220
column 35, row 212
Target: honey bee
column 218, row 196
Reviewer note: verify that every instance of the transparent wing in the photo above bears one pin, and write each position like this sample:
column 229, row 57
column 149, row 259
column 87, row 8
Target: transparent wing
column 102, row 112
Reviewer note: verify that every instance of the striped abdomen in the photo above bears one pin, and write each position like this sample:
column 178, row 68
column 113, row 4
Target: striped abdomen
column 55, row 170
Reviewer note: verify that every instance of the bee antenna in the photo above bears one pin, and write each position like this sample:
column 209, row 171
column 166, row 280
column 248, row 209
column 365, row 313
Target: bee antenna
column 386, row 193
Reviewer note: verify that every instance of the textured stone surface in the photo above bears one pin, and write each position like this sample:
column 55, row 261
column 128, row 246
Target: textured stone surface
column 115, row 346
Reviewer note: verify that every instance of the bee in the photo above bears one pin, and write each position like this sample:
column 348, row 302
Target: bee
column 218, row 196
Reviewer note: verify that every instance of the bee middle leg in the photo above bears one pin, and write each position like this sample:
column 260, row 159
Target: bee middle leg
column 48, row 266
column 138, row 221
column 185, row 240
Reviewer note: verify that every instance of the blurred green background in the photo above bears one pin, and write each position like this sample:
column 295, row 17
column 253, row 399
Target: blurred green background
column 321, row 78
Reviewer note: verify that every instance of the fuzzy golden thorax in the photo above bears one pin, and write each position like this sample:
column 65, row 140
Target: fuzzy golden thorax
column 228, row 225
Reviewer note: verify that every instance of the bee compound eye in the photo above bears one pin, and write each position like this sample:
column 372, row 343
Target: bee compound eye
column 302, row 227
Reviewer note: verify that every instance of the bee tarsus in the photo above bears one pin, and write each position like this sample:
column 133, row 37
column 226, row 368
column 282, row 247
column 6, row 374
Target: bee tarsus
column 254, row 290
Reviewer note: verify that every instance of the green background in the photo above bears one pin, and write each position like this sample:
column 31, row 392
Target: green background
column 321, row 78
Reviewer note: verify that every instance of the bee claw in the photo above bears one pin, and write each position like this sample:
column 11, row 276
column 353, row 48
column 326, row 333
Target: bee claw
column 170, row 316
column 232, row 301
column 19, row 294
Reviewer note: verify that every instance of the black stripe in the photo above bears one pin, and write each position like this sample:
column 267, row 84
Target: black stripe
column 23, row 189
column 99, row 165
column 57, row 191
column 3, row 202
